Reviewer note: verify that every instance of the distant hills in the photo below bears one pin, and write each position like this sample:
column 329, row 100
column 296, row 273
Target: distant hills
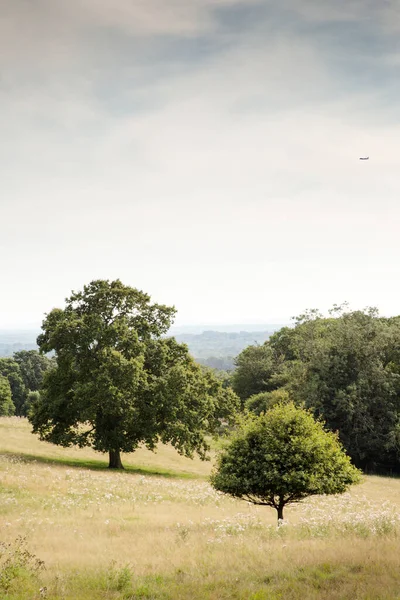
column 13, row 341
column 215, row 345
column 218, row 349
column 230, row 328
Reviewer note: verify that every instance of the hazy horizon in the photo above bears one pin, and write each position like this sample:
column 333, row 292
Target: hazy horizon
column 204, row 151
column 187, row 328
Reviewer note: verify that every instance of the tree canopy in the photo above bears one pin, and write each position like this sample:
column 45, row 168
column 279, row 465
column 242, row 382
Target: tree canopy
column 280, row 457
column 257, row 369
column 119, row 382
column 7, row 407
column 33, row 366
column 346, row 368
column 24, row 372
column 10, row 369
column 263, row 401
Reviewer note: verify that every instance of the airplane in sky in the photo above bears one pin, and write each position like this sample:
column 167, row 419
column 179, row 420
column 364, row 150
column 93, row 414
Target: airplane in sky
column 364, row 157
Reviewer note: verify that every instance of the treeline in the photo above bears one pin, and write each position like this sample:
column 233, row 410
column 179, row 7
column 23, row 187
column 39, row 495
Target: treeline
column 346, row 368
column 21, row 377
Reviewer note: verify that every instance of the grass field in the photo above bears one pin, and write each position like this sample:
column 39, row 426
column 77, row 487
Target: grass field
column 158, row 530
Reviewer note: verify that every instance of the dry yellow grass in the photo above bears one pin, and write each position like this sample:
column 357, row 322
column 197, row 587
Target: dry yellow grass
column 15, row 437
column 127, row 535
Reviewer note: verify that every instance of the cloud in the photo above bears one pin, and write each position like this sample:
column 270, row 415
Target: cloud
column 188, row 103
column 148, row 18
column 363, row 12
column 60, row 32
column 263, row 114
column 185, row 146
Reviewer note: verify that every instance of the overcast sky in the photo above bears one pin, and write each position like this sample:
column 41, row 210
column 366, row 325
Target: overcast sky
column 204, row 151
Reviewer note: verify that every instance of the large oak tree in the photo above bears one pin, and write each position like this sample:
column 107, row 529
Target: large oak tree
column 119, row 382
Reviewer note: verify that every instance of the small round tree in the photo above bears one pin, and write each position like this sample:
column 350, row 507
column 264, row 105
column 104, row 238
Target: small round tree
column 281, row 457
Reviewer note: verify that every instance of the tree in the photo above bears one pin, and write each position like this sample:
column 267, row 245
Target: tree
column 10, row 369
column 118, row 382
column 283, row 456
column 263, row 401
column 31, row 398
column 33, row 366
column 256, row 371
column 346, row 368
column 7, row 407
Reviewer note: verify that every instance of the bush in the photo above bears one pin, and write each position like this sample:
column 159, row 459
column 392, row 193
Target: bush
column 17, row 562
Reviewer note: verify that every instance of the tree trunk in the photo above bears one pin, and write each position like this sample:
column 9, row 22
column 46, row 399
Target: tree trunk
column 280, row 512
column 115, row 460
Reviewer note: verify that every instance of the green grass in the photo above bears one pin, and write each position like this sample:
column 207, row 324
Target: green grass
column 320, row 581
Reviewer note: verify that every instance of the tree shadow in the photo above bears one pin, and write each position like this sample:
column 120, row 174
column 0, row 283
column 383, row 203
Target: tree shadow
column 97, row 465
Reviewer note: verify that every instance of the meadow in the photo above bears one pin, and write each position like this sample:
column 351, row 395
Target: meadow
column 70, row 529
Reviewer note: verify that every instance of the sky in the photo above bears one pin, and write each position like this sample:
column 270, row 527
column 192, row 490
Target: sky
column 203, row 151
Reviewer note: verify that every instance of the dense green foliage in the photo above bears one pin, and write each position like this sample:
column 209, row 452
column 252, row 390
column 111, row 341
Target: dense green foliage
column 119, row 382
column 7, row 407
column 24, row 373
column 33, row 366
column 346, row 368
column 31, row 399
column 10, row 369
column 283, row 456
column 257, row 370
column 263, row 401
